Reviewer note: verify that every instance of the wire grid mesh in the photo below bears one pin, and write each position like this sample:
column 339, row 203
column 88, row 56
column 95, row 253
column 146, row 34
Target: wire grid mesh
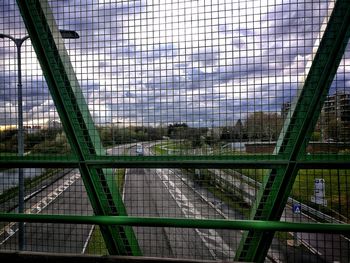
column 176, row 78
column 47, row 191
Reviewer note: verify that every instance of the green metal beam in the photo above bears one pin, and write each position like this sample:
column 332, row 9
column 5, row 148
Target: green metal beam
column 257, row 225
column 91, row 158
column 77, row 121
column 314, row 161
column 304, row 113
column 131, row 162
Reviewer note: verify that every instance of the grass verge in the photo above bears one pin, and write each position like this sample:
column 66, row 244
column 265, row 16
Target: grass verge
column 96, row 243
column 208, row 182
column 120, row 178
column 336, row 184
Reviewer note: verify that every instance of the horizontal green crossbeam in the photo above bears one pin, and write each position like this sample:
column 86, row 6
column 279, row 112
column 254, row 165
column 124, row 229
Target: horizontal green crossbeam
column 253, row 162
column 89, row 155
column 257, row 225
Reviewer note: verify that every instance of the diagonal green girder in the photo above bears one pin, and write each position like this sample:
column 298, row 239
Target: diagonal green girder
column 77, row 122
column 304, row 113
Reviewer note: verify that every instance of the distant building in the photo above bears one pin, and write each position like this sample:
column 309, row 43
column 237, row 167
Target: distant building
column 336, row 112
column 338, row 105
column 334, row 123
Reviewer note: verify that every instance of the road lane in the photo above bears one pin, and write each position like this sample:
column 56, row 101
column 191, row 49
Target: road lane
column 146, row 195
column 160, row 193
column 329, row 247
column 192, row 206
column 140, row 198
column 65, row 196
column 164, row 193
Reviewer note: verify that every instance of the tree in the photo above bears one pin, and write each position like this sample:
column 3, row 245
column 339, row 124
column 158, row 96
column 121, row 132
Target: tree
column 264, row 126
column 239, row 131
column 177, row 130
column 196, row 136
column 8, row 139
column 226, row 134
column 330, row 126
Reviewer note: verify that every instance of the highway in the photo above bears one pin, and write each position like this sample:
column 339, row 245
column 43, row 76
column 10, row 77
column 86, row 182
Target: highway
column 65, row 196
column 160, row 193
column 164, row 195
column 328, row 247
column 168, row 193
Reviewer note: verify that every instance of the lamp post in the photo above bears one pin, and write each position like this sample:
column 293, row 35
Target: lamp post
column 66, row 34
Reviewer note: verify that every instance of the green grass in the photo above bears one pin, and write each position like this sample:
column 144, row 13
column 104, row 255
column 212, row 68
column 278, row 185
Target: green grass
column 159, row 150
column 120, row 177
column 337, row 185
column 96, row 244
column 182, row 147
column 170, row 145
column 8, row 154
column 9, row 194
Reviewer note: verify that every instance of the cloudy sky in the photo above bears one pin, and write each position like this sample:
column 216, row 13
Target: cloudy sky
column 162, row 61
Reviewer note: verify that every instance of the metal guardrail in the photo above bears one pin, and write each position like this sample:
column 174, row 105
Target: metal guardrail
column 35, row 257
column 258, row 225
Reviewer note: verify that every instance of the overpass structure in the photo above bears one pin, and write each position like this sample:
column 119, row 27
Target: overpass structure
column 184, row 213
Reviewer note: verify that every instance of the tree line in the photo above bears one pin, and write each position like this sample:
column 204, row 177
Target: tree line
column 258, row 126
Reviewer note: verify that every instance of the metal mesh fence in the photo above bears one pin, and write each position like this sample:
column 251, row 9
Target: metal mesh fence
column 225, row 110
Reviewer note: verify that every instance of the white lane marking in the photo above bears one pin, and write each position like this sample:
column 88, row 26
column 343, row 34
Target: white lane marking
column 39, row 206
column 87, row 240
column 215, row 207
column 347, row 239
column 213, row 240
column 9, row 231
column 309, row 247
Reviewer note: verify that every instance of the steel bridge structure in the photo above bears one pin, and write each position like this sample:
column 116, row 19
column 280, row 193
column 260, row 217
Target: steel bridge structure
column 96, row 167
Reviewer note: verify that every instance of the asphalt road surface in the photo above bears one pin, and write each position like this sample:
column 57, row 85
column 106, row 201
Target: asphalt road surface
column 321, row 247
column 65, row 196
column 156, row 193
column 168, row 193
column 163, row 193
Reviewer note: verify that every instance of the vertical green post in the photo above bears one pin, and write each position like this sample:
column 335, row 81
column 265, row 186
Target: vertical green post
column 77, row 122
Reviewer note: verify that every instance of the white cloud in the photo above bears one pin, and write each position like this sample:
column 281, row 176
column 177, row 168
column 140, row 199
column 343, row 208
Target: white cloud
column 164, row 60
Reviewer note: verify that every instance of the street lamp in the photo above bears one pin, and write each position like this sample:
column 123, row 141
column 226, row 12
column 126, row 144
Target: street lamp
column 66, row 34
